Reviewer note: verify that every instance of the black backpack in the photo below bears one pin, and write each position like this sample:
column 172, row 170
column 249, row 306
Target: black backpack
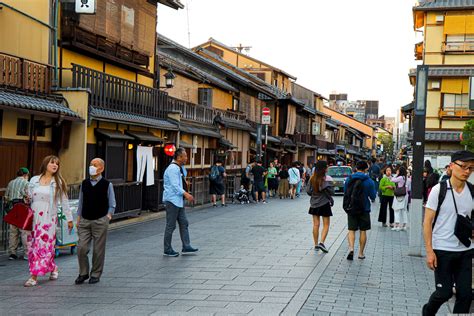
column 354, row 196
column 443, row 189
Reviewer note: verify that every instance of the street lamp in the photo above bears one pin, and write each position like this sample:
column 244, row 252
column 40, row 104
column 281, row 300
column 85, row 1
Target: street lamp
column 169, row 79
column 416, row 218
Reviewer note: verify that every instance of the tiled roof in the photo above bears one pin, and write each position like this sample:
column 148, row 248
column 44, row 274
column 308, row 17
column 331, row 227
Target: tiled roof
column 443, row 136
column 28, row 102
column 211, row 40
column 455, row 71
column 181, row 66
column 165, row 43
column 226, row 143
column 233, row 123
column 332, row 124
column 145, row 136
column 437, row 5
column 408, row 107
column 272, row 139
column 199, row 130
column 114, row 116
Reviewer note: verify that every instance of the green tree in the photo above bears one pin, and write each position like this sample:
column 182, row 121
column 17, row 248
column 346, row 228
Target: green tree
column 388, row 144
column 468, row 135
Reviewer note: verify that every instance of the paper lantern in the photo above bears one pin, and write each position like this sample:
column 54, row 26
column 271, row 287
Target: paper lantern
column 170, row 149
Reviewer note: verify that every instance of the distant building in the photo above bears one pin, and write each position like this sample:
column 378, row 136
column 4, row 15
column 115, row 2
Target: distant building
column 371, row 108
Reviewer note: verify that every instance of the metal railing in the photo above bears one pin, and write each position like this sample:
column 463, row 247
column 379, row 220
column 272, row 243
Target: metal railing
column 198, row 187
column 24, row 74
column 456, row 112
column 458, row 47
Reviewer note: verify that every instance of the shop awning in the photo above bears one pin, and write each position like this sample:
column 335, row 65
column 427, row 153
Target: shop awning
column 332, row 124
column 112, row 134
column 145, row 137
column 290, row 151
column 199, row 130
column 287, row 142
column 230, row 123
column 352, row 152
column 130, row 118
column 276, row 150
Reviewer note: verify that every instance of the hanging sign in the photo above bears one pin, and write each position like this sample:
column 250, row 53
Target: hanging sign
column 85, row 6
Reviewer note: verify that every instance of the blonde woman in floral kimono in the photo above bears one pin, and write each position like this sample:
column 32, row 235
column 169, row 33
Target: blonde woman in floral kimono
column 46, row 192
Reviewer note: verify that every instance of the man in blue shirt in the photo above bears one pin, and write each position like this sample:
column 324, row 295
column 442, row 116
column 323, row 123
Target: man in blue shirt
column 175, row 189
column 360, row 220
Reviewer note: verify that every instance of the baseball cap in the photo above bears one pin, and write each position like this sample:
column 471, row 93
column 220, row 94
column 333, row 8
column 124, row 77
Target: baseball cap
column 462, row 155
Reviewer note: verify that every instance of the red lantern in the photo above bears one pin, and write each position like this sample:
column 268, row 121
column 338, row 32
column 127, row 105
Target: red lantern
column 170, row 149
column 461, row 137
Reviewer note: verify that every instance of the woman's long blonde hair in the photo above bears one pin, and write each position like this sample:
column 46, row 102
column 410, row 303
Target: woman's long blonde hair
column 61, row 186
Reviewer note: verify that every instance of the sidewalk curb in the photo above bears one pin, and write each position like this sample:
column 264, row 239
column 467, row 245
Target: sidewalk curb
column 301, row 296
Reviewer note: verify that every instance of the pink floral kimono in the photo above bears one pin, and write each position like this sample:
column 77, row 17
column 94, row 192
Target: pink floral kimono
column 42, row 240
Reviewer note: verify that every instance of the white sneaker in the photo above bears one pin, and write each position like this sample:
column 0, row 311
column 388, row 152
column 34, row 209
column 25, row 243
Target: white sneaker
column 395, row 229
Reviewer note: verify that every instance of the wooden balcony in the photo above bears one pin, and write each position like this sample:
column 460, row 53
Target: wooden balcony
column 23, row 74
column 113, row 93
column 458, row 47
column 456, row 113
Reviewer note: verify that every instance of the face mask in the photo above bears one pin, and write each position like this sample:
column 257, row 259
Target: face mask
column 92, row 170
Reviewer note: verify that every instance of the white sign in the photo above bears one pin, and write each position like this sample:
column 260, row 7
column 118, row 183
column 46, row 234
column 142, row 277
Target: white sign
column 266, row 119
column 85, row 6
column 316, row 128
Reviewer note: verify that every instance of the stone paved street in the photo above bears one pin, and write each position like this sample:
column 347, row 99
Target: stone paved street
column 255, row 259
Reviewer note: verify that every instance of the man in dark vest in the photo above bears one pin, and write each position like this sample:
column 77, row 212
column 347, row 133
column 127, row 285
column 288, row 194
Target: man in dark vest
column 95, row 210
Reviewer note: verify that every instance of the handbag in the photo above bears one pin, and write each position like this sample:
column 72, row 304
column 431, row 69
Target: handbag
column 21, row 216
column 400, row 191
column 463, row 226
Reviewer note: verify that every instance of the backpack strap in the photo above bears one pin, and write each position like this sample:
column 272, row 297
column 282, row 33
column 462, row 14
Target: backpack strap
column 443, row 189
column 471, row 188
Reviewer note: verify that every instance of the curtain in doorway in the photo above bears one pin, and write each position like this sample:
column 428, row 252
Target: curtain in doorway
column 291, row 120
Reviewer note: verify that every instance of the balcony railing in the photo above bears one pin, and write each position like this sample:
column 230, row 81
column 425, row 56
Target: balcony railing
column 456, row 112
column 458, row 47
column 114, row 93
column 23, row 74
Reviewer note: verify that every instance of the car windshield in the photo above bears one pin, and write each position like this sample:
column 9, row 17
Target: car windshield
column 339, row 171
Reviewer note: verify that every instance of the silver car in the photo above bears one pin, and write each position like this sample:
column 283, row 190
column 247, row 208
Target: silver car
column 339, row 175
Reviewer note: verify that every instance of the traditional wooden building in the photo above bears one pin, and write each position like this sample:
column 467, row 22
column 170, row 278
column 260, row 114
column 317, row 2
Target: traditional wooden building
column 34, row 121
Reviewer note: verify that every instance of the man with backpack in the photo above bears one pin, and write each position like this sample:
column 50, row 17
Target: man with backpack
column 358, row 189
column 447, row 230
column 216, row 183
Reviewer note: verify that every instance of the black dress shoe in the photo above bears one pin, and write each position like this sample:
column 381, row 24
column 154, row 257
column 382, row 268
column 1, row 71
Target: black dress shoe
column 94, row 280
column 81, row 278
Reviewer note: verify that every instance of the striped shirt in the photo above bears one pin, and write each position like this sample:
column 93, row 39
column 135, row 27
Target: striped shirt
column 17, row 189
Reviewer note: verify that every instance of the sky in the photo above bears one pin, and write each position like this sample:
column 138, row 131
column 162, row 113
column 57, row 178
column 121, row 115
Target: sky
column 364, row 48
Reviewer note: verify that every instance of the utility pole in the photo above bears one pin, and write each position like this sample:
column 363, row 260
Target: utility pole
column 416, row 213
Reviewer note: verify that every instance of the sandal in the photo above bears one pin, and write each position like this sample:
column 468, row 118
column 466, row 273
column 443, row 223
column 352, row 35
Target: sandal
column 361, row 257
column 30, row 283
column 350, row 256
column 54, row 275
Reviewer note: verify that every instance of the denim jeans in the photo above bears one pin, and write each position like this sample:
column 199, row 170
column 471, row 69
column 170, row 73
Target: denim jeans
column 453, row 267
column 173, row 214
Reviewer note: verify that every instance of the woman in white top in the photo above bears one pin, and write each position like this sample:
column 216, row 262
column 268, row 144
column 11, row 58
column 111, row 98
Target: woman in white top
column 46, row 193
column 400, row 203
column 294, row 179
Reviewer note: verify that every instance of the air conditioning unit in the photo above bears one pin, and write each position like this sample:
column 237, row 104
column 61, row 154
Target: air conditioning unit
column 435, row 85
column 439, row 18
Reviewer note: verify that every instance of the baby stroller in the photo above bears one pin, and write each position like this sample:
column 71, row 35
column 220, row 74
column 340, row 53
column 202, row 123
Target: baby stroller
column 242, row 196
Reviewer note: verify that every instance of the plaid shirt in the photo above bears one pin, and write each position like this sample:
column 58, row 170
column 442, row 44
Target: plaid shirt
column 17, row 189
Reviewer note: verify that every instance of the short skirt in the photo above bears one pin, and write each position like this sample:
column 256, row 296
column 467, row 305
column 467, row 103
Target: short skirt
column 324, row 210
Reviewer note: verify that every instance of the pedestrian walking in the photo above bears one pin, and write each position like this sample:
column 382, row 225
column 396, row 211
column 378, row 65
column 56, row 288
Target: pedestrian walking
column 320, row 188
column 386, row 188
column 272, row 174
column 302, row 177
column 448, row 232
column 294, row 179
column 46, row 192
column 283, row 185
column 446, row 174
column 249, row 176
column 17, row 192
column 216, row 183
column 259, row 182
column 95, row 210
column 358, row 189
column 400, row 202
column 175, row 190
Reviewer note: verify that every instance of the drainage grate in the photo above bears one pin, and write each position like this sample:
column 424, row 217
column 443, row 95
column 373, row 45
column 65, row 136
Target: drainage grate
column 265, row 226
